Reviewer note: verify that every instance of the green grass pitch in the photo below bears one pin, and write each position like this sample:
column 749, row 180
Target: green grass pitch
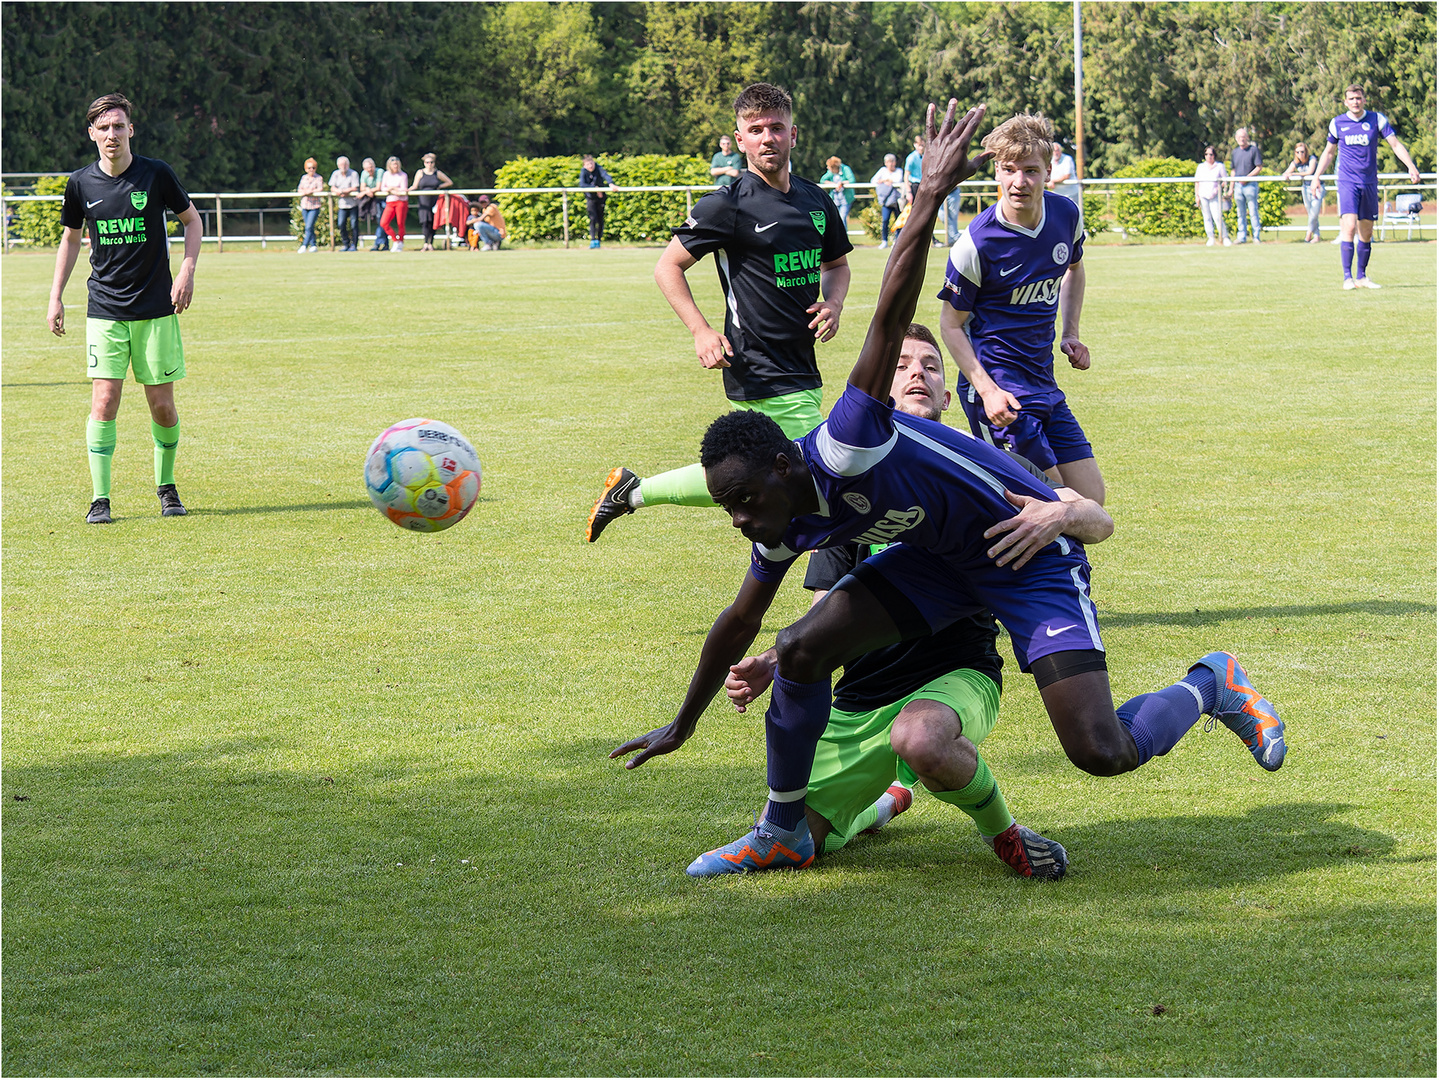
column 290, row 791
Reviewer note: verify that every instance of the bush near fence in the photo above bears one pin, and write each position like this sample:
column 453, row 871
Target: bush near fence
column 1170, row 210
column 39, row 222
column 630, row 216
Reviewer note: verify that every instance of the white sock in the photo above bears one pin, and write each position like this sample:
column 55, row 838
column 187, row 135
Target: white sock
column 884, row 810
column 636, row 498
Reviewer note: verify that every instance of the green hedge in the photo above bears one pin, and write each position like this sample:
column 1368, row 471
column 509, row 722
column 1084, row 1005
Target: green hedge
column 322, row 223
column 630, row 216
column 39, row 222
column 1169, row 209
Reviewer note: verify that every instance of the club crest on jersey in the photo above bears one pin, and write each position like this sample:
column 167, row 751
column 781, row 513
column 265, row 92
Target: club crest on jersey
column 818, row 217
column 138, row 199
column 1060, row 253
column 858, row 501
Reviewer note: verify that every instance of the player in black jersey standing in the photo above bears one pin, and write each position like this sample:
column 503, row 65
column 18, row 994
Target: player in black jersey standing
column 131, row 318
column 778, row 243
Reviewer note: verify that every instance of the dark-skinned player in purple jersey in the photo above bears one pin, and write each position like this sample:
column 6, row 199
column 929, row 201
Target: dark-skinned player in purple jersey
column 871, row 475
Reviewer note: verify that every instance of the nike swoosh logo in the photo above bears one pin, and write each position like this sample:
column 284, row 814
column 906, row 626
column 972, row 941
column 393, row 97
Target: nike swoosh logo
column 1012, row 269
column 97, row 202
column 1054, row 633
column 766, row 228
column 171, row 372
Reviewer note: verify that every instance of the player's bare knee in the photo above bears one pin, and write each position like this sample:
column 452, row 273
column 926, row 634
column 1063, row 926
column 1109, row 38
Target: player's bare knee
column 799, row 658
column 926, row 735
column 1103, row 757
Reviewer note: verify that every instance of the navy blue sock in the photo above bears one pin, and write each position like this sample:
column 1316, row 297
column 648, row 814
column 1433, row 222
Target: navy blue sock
column 1364, row 258
column 1159, row 720
column 796, row 718
column 1202, row 679
column 1346, row 257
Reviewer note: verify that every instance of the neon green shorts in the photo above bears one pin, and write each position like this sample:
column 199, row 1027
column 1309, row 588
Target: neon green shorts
column 797, row 414
column 853, row 763
column 151, row 345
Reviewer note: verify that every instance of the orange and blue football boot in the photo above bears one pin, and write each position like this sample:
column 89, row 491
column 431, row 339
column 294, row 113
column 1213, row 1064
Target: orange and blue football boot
column 763, row 848
column 1240, row 708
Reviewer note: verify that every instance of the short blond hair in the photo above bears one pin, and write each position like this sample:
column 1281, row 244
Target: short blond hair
column 1020, row 136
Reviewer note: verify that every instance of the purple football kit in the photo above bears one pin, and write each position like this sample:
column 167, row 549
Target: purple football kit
column 1008, row 277
column 1357, row 166
column 884, row 477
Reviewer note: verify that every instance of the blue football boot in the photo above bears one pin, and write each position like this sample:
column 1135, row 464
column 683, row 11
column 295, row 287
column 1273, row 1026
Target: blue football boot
column 1243, row 711
column 763, row 848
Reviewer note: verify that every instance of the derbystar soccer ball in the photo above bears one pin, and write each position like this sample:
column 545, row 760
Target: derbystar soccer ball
column 422, row 475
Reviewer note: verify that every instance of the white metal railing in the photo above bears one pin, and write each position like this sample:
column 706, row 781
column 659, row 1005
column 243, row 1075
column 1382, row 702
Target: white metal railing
column 979, row 187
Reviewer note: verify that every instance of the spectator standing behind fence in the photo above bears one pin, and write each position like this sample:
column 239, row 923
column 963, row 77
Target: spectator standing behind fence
column 372, row 202
column 395, row 186
column 913, row 174
column 1246, row 160
column 594, row 180
column 429, row 179
column 889, row 193
column 842, row 177
column 1356, row 132
column 1208, row 178
column 1064, row 179
column 1303, row 166
column 310, row 187
column 345, row 183
column 726, row 165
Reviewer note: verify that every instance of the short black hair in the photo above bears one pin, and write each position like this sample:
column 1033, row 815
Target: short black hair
column 920, row 332
column 750, row 436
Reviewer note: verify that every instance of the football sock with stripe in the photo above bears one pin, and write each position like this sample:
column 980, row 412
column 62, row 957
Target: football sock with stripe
column 982, row 800
column 1159, row 720
column 166, row 440
column 1364, row 249
column 678, row 487
column 100, row 438
column 796, row 718
column 1346, row 258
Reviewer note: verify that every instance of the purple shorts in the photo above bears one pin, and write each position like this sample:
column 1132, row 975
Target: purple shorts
column 1361, row 201
column 1045, row 431
column 1045, row 606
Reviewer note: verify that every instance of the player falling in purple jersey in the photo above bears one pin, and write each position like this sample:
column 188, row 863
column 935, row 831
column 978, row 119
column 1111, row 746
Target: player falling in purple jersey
column 1356, row 133
column 871, row 475
column 1017, row 263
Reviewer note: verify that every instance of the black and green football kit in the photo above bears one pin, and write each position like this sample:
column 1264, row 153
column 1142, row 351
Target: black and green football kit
column 768, row 247
column 131, row 318
column 854, row 763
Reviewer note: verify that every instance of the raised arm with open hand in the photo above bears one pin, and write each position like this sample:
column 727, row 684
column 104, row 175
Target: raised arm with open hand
column 946, row 165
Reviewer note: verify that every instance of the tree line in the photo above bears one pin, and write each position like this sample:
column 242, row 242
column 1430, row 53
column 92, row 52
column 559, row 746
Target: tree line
column 237, row 95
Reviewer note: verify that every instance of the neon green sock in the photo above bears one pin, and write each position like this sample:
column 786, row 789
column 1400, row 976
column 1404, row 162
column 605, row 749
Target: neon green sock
column 166, row 440
column 982, row 800
column 834, row 840
column 678, row 487
column 100, row 438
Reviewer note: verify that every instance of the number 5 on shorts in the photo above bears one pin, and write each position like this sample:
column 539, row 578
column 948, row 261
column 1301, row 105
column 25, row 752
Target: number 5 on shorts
column 94, row 360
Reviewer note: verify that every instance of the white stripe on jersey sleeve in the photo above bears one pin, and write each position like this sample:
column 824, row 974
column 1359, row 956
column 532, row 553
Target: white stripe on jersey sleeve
column 1380, row 121
column 963, row 462
column 776, row 554
column 964, row 257
column 1334, row 129
column 845, row 460
column 722, row 260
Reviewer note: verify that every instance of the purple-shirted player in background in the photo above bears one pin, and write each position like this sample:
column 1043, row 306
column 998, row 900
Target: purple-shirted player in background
column 871, row 475
column 1017, row 263
column 1356, row 132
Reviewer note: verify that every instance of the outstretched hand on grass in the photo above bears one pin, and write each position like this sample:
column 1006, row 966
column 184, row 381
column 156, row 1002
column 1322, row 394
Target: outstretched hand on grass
column 662, row 740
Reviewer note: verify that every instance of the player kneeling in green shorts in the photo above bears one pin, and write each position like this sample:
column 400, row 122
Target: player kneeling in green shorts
column 918, row 710
column 132, row 314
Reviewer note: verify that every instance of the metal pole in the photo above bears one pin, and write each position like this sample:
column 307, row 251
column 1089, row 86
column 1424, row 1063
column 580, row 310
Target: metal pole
column 565, row 215
column 689, row 204
column 331, row 201
column 219, row 228
column 1078, row 96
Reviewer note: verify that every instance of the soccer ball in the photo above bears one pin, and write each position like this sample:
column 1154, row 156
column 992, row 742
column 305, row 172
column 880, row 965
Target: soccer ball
column 422, row 475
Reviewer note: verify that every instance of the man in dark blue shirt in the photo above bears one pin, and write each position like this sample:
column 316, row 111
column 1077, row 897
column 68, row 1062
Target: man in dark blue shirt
column 597, row 184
